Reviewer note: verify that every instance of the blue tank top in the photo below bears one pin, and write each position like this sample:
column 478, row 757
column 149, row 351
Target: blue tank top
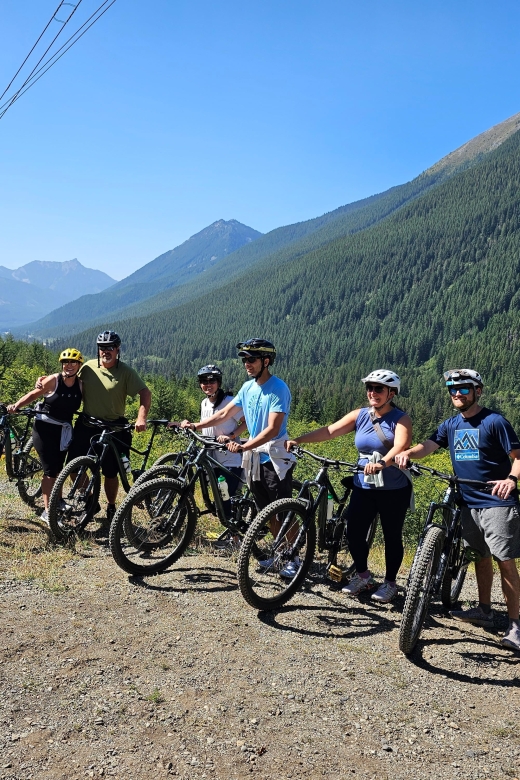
column 367, row 440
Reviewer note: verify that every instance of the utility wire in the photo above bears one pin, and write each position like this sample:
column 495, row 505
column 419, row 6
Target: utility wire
column 33, row 48
column 34, row 77
column 49, row 47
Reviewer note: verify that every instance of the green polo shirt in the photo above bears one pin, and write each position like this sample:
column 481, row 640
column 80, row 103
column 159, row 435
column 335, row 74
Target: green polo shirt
column 105, row 390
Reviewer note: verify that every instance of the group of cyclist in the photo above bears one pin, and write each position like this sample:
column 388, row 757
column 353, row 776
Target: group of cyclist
column 482, row 445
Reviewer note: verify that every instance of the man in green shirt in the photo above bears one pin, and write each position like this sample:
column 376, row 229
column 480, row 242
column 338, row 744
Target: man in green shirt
column 107, row 382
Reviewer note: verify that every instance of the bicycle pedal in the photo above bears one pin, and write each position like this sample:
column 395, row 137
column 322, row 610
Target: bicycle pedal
column 334, row 573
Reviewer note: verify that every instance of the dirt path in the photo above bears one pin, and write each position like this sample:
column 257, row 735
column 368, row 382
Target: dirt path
column 177, row 676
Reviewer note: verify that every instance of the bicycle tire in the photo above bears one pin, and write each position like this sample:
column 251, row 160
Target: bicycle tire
column 174, row 459
column 454, row 575
column 80, row 496
column 419, row 589
column 152, row 527
column 156, row 471
column 264, row 588
column 340, row 554
column 28, row 473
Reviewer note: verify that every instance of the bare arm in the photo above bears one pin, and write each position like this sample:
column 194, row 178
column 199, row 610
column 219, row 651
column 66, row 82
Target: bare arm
column 48, row 384
column 346, row 425
column 274, row 425
column 416, row 453
column 145, row 399
column 218, row 417
column 503, row 487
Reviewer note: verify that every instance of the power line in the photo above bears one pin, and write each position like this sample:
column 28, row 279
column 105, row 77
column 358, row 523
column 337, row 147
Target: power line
column 34, row 77
column 33, row 48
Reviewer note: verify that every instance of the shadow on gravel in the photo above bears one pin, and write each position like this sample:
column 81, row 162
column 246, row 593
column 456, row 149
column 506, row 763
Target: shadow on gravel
column 329, row 621
column 207, row 580
column 29, row 527
column 483, row 658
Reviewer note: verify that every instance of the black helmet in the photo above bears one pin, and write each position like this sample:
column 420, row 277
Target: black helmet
column 257, row 348
column 108, row 339
column 209, row 372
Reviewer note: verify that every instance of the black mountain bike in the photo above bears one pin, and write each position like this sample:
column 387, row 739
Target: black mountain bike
column 441, row 562
column 75, row 496
column 155, row 523
column 286, row 529
column 22, row 463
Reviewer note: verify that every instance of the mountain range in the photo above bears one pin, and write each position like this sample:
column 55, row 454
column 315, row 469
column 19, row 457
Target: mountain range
column 420, row 278
column 29, row 292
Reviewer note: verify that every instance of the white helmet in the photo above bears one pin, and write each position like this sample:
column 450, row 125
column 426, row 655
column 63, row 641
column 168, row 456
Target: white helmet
column 384, row 376
column 462, row 376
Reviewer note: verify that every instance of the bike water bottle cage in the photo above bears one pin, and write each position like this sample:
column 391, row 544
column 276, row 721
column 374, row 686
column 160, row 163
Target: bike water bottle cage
column 462, row 376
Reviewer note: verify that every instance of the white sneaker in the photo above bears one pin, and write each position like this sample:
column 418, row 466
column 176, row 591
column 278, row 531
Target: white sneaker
column 358, row 584
column 385, row 593
column 45, row 517
column 291, row 569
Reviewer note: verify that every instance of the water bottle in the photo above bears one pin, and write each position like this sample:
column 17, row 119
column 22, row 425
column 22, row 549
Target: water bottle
column 126, row 464
column 330, row 506
column 223, row 487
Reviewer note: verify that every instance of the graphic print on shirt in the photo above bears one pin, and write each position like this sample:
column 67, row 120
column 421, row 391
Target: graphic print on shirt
column 465, row 444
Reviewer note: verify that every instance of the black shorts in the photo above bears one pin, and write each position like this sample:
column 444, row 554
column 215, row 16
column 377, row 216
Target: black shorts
column 46, row 438
column 270, row 488
column 81, row 443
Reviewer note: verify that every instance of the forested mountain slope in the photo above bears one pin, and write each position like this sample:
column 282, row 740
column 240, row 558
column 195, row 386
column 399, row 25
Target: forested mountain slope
column 435, row 285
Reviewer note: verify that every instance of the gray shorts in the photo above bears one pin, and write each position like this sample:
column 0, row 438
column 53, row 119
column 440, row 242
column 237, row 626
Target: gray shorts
column 492, row 530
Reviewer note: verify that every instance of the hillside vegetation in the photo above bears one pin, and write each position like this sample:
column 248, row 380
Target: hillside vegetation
column 434, row 285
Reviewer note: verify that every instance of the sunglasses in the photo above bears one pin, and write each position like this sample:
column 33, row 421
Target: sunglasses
column 208, row 381
column 69, row 361
column 461, row 390
column 374, row 388
column 250, row 360
column 107, row 349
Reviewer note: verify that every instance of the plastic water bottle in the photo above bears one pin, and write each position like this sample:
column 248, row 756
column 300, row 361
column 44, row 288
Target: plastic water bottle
column 126, row 464
column 330, row 506
column 223, row 487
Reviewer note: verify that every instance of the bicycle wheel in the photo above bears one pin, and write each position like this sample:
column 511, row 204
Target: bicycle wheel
column 28, row 472
column 162, row 470
column 75, row 497
column 420, row 588
column 454, row 575
column 265, row 551
column 174, row 459
column 152, row 527
column 340, row 557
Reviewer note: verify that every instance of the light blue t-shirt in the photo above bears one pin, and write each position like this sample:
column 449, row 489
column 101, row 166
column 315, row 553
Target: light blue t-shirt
column 258, row 401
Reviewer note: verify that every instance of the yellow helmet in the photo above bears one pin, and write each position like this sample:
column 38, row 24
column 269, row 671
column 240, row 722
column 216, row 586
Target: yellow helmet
column 71, row 354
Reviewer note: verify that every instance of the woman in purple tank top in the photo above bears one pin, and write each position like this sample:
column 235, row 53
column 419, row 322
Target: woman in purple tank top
column 381, row 432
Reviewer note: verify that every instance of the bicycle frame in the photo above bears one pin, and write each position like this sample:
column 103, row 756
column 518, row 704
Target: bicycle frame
column 8, row 430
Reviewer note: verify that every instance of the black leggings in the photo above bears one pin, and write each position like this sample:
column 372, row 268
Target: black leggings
column 391, row 505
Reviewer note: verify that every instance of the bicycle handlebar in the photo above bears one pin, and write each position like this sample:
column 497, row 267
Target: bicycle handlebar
column 206, row 441
column 416, row 468
column 327, row 462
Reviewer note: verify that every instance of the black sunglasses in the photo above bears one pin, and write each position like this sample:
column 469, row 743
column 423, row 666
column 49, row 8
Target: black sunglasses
column 250, row 360
column 103, row 348
column 375, row 388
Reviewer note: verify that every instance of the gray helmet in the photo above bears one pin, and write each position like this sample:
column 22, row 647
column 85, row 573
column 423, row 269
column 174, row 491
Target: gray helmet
column 456, row 377
column 209, row 372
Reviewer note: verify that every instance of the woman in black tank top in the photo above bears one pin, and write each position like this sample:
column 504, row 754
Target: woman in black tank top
column 52, row 426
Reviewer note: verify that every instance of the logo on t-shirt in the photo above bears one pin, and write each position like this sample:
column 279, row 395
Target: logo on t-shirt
column 465, row 444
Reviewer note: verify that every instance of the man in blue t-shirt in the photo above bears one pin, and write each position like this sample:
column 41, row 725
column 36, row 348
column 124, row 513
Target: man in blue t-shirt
column 264, row 401
column 482, row 445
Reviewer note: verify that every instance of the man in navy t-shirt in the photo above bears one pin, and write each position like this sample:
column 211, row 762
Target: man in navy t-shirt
column 482, row 445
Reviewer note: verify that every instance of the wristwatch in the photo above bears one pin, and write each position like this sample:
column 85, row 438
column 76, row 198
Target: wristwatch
column 512, row 476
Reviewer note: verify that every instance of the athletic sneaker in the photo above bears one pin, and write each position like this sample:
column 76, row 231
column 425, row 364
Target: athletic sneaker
column 385, row 593
column 63, row 506
column 291, row 569
column 511, row 640
column 227, row 544
column 358, row 584
column 45, row 517
column 269, row 564
column 475, row 615
column 111, row 510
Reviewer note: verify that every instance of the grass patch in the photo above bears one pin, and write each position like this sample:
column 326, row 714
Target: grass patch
column 155, row 697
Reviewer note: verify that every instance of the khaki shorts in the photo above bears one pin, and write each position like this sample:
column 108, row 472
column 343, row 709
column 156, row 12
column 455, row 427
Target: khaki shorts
column 492, row 530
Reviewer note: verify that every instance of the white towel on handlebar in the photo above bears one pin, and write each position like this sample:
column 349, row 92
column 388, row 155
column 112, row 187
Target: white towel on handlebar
column 280, row 458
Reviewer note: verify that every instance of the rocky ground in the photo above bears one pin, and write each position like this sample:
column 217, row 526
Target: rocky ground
column 175, row 676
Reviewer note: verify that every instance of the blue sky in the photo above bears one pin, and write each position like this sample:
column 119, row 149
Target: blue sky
column 170, row 115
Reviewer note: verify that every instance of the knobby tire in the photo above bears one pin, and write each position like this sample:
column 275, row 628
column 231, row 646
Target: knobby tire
column 79, row 484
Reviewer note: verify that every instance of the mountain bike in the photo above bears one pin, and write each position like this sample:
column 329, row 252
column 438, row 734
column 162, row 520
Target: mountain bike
column 75, row 496
column 156, row 521
column 441, row 561
column 22, row 462
column 287, row 528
